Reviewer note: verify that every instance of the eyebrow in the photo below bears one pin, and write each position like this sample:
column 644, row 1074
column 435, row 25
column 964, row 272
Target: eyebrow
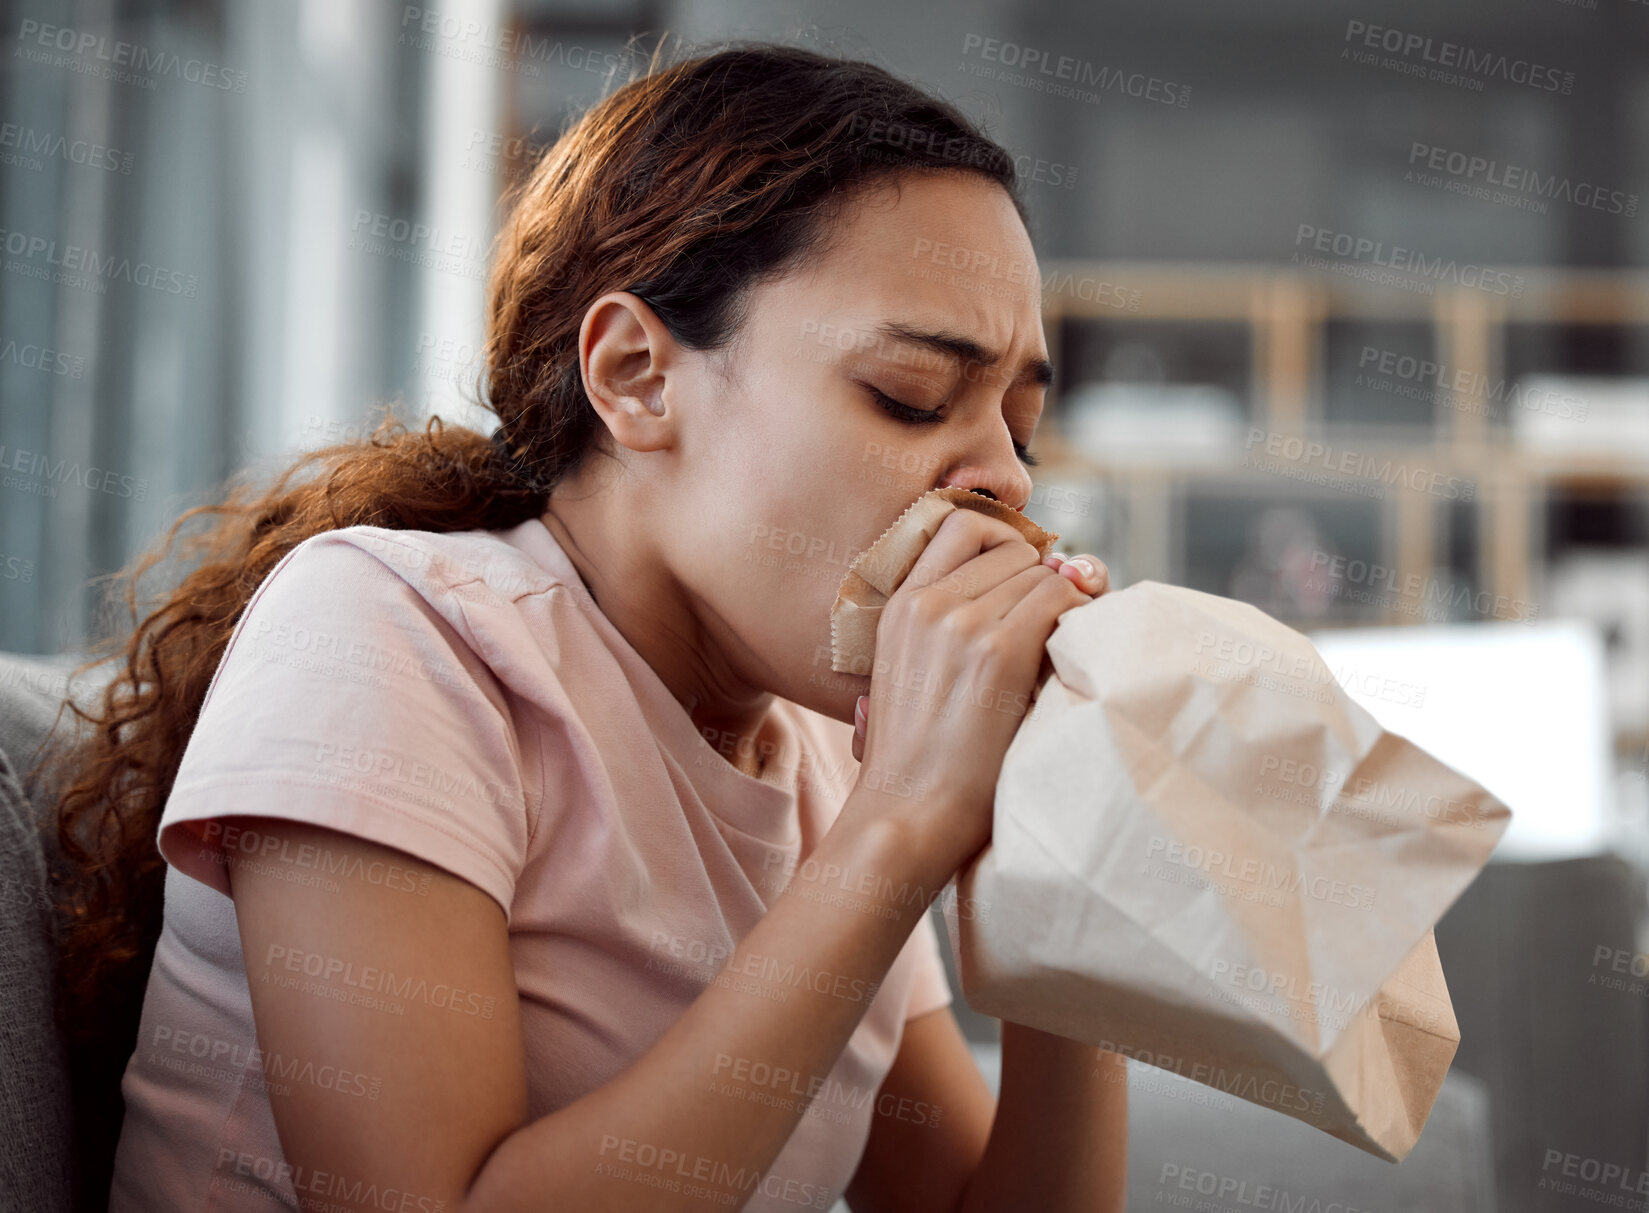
column 955, row 345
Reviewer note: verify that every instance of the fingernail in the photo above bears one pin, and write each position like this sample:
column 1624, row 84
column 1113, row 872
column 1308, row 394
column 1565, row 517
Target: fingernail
column 860, row 717
column 1086, row 567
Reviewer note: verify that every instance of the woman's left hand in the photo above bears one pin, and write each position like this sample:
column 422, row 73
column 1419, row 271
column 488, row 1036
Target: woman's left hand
column 1087, row 571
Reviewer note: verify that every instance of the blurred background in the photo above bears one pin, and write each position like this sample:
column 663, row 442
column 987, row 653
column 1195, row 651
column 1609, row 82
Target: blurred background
column 1350, row 309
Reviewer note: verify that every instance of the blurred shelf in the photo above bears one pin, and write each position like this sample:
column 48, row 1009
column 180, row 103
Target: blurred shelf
column 1304, row 369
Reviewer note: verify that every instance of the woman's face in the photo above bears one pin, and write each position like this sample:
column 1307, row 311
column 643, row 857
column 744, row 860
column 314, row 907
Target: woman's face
column 910, row 356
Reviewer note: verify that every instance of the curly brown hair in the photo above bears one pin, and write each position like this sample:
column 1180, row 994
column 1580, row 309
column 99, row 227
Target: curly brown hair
column 686, row 185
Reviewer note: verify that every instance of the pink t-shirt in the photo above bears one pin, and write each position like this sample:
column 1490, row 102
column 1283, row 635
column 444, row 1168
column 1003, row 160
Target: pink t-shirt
column 460, row 697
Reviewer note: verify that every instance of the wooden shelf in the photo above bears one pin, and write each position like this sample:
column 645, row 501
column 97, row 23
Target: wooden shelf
column 1287, row 310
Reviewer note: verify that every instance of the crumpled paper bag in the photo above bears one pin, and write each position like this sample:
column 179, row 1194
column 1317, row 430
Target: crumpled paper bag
column 1206, row 856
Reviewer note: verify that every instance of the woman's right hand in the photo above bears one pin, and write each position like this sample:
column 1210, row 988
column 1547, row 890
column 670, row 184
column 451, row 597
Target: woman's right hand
column 958, row 648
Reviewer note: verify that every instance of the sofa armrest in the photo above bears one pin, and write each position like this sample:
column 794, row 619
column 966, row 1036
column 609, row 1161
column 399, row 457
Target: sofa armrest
column 36, row 1129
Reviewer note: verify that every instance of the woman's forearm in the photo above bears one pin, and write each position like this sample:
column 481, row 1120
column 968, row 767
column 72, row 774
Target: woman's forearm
column 709, row 1106
column 1059, row 1142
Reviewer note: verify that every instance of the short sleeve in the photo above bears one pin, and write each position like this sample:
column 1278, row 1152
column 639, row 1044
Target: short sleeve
column 930, row 987
column 346, row 698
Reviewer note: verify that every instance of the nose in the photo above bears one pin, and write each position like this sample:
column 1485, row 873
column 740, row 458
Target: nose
column 1012, row 490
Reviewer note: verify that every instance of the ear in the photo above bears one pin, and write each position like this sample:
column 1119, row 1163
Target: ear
column 624, row 355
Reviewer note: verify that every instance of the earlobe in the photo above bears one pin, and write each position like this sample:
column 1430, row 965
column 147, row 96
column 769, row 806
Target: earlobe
column 624, row 354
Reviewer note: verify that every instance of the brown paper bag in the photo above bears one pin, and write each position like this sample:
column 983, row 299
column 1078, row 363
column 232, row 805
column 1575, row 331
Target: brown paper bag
column 1207, row 857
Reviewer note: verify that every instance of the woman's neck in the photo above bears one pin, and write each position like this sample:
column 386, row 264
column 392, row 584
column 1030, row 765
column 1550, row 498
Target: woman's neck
column 652, row 611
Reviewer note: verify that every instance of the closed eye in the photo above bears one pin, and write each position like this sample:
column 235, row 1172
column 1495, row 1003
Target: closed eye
column 915, row 416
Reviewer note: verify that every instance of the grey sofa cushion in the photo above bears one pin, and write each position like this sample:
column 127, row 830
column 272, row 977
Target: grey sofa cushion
column 1223, row 1153
column 36, row 1128
column 1539, row 960
column 1193, row 1147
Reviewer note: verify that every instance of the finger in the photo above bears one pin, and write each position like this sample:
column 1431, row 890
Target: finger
column 1003, row 599
column 1087, row 573
column 991, row 567
column 962, row 536
column 1038, row 611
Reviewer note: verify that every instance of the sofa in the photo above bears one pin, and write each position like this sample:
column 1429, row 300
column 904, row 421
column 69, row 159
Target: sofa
column 1183, row 1138
column 37, row 1163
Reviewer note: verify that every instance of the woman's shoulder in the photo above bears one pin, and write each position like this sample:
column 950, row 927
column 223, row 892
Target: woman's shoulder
column 497, row 585
column 477, row 562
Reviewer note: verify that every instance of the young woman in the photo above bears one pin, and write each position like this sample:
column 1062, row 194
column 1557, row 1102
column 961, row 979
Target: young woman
column 517, row 852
